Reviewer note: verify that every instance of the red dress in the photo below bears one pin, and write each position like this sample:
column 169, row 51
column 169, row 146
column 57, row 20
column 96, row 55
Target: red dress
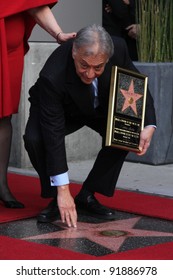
column 15, row 28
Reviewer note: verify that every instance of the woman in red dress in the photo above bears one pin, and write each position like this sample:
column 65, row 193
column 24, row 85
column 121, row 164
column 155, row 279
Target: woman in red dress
column 17, row 19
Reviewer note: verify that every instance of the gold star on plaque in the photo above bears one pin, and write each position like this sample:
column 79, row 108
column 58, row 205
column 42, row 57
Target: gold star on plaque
column 130, row 98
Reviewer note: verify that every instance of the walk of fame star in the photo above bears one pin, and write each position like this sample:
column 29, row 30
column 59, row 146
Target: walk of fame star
column 130, row 98
column 110, row 235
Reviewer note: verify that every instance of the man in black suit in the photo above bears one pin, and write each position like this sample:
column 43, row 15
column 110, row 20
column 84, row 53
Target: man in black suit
column 62, row 102
column 119, row 19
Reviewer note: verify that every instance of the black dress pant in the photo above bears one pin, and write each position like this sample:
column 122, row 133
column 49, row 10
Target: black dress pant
column 105, row 171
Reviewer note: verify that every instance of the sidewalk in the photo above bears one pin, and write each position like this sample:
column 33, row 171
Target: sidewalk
column 134, row 176
column 131, row 231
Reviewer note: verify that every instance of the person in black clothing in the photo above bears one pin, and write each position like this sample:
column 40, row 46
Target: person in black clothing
column 77, row 74
column 119, row 19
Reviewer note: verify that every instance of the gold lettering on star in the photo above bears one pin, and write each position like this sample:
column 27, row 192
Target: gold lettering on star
column 130, row 98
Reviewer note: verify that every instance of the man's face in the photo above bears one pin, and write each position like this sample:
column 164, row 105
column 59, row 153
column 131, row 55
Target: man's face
column 89, row 67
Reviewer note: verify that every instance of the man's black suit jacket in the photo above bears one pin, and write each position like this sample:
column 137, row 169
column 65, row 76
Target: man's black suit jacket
column 59, row 94
column 120, row 17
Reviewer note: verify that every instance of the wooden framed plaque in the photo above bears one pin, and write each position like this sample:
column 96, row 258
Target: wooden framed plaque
column 126, row 110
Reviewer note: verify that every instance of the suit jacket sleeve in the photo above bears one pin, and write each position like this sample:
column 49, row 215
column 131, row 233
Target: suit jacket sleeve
column 50, row 95
column 52, row 123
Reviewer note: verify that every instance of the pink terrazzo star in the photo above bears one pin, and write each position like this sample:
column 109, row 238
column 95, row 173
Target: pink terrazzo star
column 109, row 234
column 130, row 98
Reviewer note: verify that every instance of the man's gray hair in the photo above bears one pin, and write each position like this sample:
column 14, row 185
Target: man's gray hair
column 94, row 35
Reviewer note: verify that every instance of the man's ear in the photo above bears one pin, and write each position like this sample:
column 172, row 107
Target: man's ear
column 73, row 52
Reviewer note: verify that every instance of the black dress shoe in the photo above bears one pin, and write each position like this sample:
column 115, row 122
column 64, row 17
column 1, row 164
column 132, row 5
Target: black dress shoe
column 12, row 204
column 91, row 204
column 50, row 213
